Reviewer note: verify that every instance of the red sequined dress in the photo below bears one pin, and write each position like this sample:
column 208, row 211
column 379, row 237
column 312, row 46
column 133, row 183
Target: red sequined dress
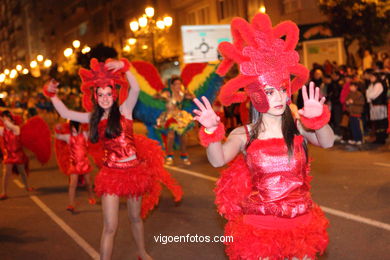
column 142, row 176
column 265, row 196
column 12, row 148
column 79, row 162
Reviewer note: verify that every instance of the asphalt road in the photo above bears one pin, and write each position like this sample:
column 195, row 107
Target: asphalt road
column 352, row 187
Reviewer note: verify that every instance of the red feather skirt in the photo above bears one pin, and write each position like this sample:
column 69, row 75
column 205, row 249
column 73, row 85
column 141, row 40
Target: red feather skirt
column 143, row 179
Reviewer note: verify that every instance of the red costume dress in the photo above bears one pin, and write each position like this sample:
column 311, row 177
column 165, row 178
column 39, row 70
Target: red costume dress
column 265, row 196
column 142, row 176
column 79, row 162
column 12, row 148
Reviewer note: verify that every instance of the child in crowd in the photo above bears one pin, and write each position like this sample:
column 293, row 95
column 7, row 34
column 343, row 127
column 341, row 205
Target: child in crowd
column 355, row 104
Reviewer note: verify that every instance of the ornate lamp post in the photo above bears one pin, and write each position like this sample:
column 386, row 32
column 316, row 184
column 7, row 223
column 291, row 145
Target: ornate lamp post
column 147, row 26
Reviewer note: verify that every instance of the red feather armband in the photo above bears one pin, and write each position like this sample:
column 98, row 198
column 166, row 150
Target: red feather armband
column 318, row 122
column 126, row 65
column 216, row 136
column 46, row 92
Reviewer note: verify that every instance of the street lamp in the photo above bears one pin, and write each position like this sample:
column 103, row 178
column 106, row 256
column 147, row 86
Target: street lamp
column 148, row 27
column 68, row 52
column 76, row 44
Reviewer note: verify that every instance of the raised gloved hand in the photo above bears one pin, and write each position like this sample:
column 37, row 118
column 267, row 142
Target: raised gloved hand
column 314, row 114
column 205, row 115
column 121, row 65
column 50, row 88
column 313, row 105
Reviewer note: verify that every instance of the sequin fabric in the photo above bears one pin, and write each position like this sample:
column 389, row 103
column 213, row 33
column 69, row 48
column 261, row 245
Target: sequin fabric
column 279, row 186
column 78, row 155
column 12, row 148
column 119, row 148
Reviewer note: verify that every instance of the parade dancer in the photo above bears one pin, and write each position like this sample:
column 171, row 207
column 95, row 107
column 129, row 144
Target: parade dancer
column 265, row 192
column 132, row 165
column 13, row 154
column 175, row 120
column 73, row 156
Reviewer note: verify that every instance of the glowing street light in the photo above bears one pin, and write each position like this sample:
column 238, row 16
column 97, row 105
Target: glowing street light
column 6, row 71
column 262, row 9
column 86, row 49
column 144, row 47
column 160, row 24
column 25, row 71
column 132, row 41
column 149, row 11
column 68, row 52
column 127, row 48
column 47, row 63
column 2, row 77
column 40, row 58
column 134, row 26
column 143, row 21
column 19, row 67
column 76, row 44
column 13, row 74
column 168, row 21
column 33, row 64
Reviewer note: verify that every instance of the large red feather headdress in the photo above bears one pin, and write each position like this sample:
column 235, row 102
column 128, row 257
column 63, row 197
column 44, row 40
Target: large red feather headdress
column 100, row 76
column 263, row 58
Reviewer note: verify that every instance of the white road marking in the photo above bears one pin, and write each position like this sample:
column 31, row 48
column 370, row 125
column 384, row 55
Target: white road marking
column 68, row 230
column 196, row 174
column 382, row 164
column 331, row 211
column 357, row 218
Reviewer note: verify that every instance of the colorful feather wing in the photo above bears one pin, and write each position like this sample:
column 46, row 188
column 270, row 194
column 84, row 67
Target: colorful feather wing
column 201, row 79
column 62, row 148
column 148, row 108
column 36, row 136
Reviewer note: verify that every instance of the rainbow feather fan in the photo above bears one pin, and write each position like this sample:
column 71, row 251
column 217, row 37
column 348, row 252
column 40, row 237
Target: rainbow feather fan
column 200, row 78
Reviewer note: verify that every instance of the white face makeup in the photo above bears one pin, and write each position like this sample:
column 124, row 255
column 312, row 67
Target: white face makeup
column 277, row 100
column 104, row 98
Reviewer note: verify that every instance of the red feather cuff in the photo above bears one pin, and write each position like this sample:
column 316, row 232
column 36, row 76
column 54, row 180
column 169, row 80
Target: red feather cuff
column 318, row 122
column 126, row 65
column 46, row 92
column 217, row 135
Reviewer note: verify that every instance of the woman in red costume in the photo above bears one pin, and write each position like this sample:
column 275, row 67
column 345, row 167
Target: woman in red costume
column 12, row 152
column 78, row 162
column 265, row 193
column 132, row 168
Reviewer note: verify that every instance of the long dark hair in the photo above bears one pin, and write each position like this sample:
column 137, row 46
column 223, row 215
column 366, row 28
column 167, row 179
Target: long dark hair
column 6, row 113
column 289, row 129
column 113, row 128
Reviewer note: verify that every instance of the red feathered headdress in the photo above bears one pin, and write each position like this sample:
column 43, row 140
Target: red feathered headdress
column 263, row 58
column 100, row 76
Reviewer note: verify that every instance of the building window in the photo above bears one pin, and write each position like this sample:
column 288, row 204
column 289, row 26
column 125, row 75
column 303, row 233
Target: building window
column 199, row 16
column 291, row 6
column 227, row 9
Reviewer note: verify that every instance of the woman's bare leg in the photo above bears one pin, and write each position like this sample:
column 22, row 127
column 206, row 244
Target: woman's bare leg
column 110, row 205
column 170, row 141
column 7, row 170
column 137, row 226
column 23, row 175
column 87, row 178
column 72, row 189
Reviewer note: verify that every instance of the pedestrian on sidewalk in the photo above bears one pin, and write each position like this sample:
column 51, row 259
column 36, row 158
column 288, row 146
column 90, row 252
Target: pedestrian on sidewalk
column 355, row 105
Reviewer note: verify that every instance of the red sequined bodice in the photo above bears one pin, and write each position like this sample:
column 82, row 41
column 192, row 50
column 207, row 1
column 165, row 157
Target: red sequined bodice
column 279, row 183
column 13, row 151
column 78, row 154
column 119, row 148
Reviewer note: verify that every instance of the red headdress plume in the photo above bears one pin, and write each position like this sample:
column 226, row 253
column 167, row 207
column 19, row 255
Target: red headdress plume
column 263, row 58
column 100, row 76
